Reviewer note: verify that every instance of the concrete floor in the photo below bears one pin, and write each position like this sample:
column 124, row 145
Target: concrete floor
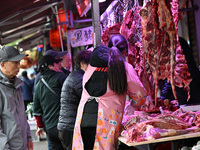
column 37, row 144
column 40, row 145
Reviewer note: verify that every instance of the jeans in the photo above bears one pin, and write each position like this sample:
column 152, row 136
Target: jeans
column 54, row 141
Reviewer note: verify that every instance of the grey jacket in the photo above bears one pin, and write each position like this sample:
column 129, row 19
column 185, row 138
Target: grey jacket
column 14, row 128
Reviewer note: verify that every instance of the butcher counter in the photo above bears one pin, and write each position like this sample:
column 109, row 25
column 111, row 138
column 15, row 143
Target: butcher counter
column 173, row 139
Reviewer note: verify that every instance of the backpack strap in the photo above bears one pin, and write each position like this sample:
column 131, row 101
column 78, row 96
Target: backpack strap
column 42, row 79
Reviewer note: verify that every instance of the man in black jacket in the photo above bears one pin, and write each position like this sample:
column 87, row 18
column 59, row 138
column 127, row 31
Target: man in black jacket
column 70, row 98
column 46, row 100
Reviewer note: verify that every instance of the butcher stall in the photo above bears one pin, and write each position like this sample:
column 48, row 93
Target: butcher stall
column 172, row 139
column 156, row 54
column 143, row 127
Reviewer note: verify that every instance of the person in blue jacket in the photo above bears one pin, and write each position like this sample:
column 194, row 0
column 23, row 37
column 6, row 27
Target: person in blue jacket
column 27, row 89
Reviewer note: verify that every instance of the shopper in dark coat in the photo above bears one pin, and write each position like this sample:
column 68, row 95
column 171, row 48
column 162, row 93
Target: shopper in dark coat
column 182, row 94
column 46, row 103
column 70, row 97
column 27, row 89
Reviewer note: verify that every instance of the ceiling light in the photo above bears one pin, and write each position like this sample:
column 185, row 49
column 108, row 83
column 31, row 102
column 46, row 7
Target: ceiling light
column 100, row 1
column 21, row 49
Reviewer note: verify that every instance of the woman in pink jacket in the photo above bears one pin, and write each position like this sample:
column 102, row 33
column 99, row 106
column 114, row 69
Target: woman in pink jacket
column 105, row 84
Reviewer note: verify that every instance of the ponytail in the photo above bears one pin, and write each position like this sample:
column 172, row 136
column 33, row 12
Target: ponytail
column 116, row 71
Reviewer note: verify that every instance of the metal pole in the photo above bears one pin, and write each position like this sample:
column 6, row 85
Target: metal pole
column 68, row 32
column 66, row 12
column 61, row 41
column 71, row 15
column 96, row 23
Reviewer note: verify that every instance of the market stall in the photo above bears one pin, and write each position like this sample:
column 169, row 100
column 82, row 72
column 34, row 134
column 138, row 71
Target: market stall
column 156, row 54
column 172, row 139
column 142, row 127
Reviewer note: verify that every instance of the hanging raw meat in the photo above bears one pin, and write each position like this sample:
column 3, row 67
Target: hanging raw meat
column 154, row 49
column 152, row 40
column 109, row 32
column 161, row 46
column 132, row 29
column 125, row 29
column 146, row 73
column 182, row 76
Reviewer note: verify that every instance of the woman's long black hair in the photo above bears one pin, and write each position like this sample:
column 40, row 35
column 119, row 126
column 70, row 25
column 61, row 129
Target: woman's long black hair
column 116, row 68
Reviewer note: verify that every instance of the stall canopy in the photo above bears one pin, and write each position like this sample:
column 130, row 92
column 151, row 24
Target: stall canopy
column 26, row 22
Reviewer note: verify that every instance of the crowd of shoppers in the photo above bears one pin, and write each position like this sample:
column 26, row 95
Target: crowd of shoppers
column 76, row 109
